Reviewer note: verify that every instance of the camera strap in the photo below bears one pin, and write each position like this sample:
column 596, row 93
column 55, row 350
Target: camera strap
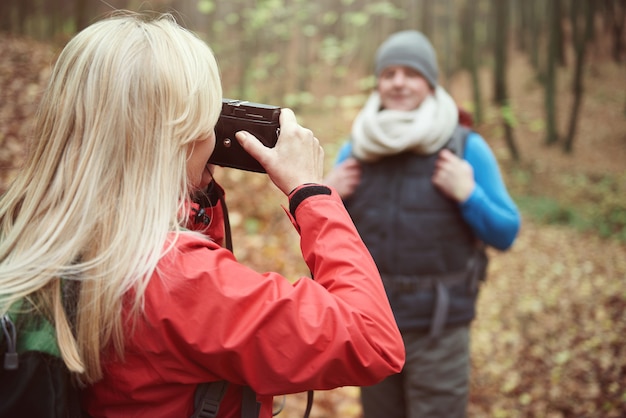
column 228, row 239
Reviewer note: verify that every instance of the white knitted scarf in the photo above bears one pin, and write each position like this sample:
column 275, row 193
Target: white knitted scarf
column 378, row 133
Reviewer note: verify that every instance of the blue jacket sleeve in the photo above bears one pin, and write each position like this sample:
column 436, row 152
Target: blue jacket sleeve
column 344, row 152
column 489, row 211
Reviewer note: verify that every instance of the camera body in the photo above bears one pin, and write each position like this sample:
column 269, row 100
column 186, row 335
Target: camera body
column 260, row 120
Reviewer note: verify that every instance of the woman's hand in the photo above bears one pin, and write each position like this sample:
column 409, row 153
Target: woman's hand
column 296, row 159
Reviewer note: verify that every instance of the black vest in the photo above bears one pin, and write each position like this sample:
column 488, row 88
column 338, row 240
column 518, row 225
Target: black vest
column 428, row 257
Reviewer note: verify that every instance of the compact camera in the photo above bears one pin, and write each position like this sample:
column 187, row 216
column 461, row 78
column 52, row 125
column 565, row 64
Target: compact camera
column 260, row 120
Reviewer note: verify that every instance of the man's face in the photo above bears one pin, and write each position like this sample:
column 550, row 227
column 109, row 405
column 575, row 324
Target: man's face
column 402, row 88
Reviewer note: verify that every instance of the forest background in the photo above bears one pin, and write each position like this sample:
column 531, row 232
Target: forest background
column 545, row 82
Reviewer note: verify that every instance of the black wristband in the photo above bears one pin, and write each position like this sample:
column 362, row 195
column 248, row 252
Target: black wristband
column 303, row 193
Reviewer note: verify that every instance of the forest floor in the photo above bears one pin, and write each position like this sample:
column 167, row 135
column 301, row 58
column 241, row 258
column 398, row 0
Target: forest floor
column 549, row 340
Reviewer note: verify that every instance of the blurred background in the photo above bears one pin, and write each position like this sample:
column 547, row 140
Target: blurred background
column 545, row 82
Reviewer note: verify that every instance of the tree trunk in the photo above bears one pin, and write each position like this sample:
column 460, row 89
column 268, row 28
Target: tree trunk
column 24, row 11
column 550, row 77
column 580, row 35
column 501, row 8
column 522, row 24
column 411, row 9
column 619, row 22
column 592, row 10
column 535, row 34
column 6, row 11
column 427, row 18
column 500, row 44
column 558, row 32
column 448, row 27
column 469, row 51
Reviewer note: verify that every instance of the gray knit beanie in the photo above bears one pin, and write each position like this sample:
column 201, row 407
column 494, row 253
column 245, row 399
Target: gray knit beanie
column 411, row 49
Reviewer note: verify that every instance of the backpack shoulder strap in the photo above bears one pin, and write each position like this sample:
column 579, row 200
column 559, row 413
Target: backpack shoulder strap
column 11, row 360
column 250, row 408
column 456, row 144
column 33, row 369
column 207, row 399
column 209, row 395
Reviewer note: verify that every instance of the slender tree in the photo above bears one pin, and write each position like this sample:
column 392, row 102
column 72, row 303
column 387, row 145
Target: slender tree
column 557, row 23
column 427, row 18
column 580, row 9
column 469, row 52
column 521, row 24
column 535, row 28
column 25, row 10
column 410, row 7
column 550, row 76
column 448, row 27
column 501, row 9
column 80, row 14
column 593, row 10
column 617, row 11
column 6, row 11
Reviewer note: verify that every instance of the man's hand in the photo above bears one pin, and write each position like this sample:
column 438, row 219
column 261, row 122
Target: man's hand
column 453, row 176
column 345, row 177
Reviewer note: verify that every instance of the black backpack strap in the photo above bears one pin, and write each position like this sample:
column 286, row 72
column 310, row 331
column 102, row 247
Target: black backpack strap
column 442, row 306
column 478, row 267
column 456, row 144
column 207, row 399
column 209, row 395
column 250, row 408
column 11, row 360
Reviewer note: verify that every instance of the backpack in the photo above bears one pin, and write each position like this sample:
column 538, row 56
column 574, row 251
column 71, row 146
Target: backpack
column 465, row 118
column 34, row 381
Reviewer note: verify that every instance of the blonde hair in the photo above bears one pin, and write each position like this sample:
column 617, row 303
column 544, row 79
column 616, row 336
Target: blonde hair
column 106, row 180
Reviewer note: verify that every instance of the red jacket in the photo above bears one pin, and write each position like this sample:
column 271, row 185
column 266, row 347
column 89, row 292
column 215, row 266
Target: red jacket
column 208, row 317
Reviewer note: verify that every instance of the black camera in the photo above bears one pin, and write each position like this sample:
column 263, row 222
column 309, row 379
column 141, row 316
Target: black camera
column 260, row 120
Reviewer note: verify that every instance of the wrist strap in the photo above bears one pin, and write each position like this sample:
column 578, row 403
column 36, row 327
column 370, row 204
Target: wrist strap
column 305, row 192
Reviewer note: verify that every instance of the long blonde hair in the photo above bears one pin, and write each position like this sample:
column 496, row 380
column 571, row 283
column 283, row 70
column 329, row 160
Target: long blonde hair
column 105, row 181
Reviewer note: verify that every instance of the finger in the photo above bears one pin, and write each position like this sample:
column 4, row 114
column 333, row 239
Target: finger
column 352, row 164
column 252, row 145
column 445, row 154
column 287, row 116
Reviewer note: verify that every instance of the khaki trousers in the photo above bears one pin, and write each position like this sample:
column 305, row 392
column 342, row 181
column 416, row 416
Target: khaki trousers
column 434, row 382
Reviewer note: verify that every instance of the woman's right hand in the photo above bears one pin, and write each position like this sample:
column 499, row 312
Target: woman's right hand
column 296, row 159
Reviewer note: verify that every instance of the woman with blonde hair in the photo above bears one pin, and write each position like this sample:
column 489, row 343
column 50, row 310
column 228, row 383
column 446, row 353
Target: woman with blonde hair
column 100, row 216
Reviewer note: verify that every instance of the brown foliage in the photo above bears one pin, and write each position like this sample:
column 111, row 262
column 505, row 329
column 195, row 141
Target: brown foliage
column 24, row 68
